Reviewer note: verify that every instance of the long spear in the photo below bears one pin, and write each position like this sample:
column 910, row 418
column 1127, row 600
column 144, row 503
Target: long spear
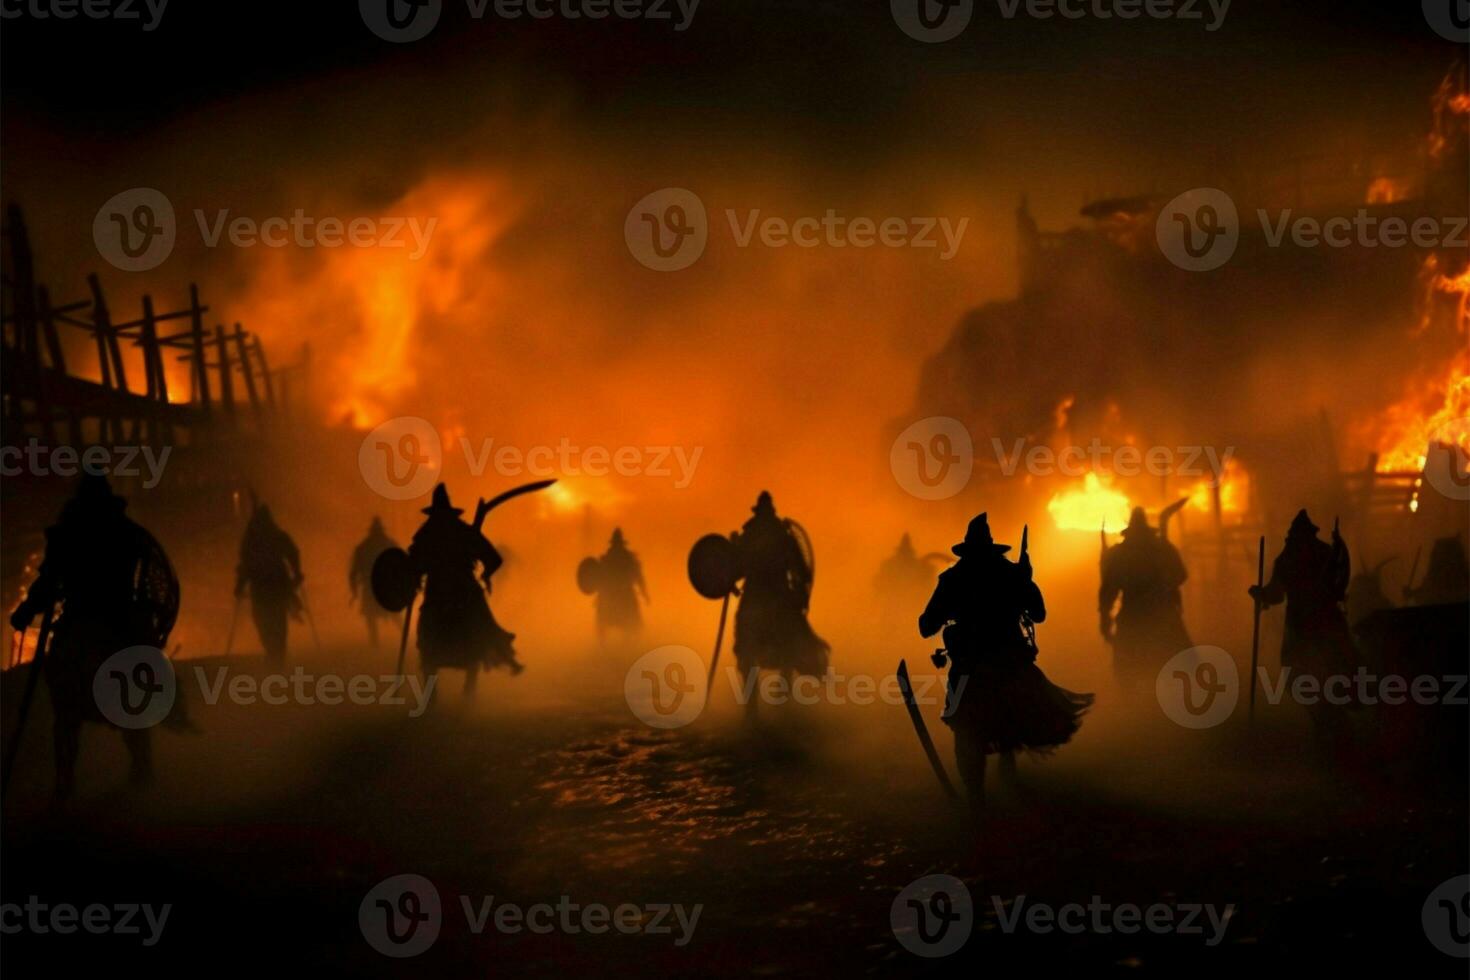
column 714, row 661
column 1256, row 629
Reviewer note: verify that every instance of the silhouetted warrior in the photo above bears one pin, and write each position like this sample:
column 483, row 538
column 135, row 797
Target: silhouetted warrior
column 1311, row 576
column 771, row 628
column 1447, row 579
column 456, row 628
column 116, row 590
column 619, row 586
column 270, row 569
column 999, row 701
column 1146, row 571
column 360, row 576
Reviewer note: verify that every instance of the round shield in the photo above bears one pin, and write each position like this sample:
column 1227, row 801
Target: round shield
column 395, row 582
column 713, row 569
column 156, row 592
column 588, row 576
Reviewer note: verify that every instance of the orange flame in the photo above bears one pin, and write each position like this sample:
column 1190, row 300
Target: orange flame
column 1089, row 507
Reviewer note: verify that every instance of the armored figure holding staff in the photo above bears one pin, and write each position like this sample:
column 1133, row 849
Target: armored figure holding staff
column 1311, row 577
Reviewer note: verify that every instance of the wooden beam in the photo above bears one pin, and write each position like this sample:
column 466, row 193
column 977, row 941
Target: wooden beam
column 265, row 372
column 226, row 382
column 201, row 371
column 243, row 351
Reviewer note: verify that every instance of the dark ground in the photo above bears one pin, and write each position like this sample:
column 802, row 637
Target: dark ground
column 265, row 832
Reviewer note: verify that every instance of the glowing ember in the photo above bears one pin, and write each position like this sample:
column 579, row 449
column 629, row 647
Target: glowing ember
column 1089, row 507
column 1388, row 190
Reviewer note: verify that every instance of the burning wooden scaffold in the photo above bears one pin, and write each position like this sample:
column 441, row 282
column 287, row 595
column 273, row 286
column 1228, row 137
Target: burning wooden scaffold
column 46, row 399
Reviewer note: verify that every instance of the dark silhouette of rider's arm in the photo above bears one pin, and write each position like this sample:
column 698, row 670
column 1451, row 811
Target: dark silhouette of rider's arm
column 939, row 610
column 43, row 593
column 1274, row 591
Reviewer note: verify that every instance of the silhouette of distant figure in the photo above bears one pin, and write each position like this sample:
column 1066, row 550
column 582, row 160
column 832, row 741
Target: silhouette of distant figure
column 619, row 585
column 1447, row 579
column 360, row 576
column 116, row 590
column 1365, row 595
column 1146, row 571
column 904, row 570
column 999, row 701
column 270, row 570
column 456, row 628
column 771, row 628
column 903, row 579
column 1311, row 577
